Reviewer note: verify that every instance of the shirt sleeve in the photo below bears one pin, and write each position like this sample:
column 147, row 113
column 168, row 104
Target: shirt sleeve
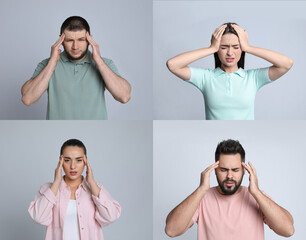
column 41, row 208
column 195, row 216
column 261, row 77
column 199, row 76
column 40, row 67
column 110, row 63
column 108, row 209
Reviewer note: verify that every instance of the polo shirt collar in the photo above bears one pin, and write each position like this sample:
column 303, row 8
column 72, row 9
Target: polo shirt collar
column 87, row 59
column 240, row 72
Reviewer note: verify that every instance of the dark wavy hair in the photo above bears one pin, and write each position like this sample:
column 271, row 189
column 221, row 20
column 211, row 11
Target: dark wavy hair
column 229, row 147
column 230, row 29
column 75, row 23
column 73, row 143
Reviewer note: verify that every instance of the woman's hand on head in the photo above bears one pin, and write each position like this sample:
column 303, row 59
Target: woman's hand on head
column 243, row 37
column 57, row 176
column 95, row 189
column 216, row 38
column 58, row 171
column 89, row 174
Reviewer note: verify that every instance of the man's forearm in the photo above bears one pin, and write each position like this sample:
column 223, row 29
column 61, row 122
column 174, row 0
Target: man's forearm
column 179, row 219
column 279, row 219
column 116, row 85
column 33, row 89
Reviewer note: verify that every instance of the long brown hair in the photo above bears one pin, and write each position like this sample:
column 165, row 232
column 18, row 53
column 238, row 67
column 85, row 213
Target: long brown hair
column 230, row 29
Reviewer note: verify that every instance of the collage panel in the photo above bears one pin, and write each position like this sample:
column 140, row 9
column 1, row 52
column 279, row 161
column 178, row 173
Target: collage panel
column 156, row 169
column 121, row 31
column 270, row 35
column 119, row 154
column 184, row 149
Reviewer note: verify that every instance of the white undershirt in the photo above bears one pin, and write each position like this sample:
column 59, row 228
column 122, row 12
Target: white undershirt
column 71, row 224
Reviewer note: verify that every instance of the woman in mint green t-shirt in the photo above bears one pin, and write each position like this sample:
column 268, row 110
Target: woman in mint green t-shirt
column 228, row 90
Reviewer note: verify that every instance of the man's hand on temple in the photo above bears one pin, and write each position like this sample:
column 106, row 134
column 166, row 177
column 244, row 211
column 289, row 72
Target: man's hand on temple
column 55, row 51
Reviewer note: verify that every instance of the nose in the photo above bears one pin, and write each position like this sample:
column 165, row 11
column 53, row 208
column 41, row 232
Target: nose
column 229, row 51
column 72, row 165
column 74, row 45
column 229, row 174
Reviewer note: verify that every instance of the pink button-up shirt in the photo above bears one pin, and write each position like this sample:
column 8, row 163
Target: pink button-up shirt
column 93, row 212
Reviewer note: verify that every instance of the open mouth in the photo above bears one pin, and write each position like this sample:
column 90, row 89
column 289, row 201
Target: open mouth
column 73, row 173
column 230, row 59
column 229, row 183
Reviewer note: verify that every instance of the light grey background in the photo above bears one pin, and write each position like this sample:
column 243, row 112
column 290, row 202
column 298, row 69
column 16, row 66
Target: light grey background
column 183, row 149
column 180, row 26
column 123, row 30
column 120, row 154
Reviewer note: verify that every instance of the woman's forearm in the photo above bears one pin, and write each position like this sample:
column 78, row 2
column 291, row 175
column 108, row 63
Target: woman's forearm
column 178, row 65
column 277, row 59
column 281, row 63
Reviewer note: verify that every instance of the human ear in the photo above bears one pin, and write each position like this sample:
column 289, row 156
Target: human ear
column 243, row 169
column 216, row 169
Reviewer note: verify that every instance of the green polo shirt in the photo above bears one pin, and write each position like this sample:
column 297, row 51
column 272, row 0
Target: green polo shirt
column 229, row 96
column 76, row 89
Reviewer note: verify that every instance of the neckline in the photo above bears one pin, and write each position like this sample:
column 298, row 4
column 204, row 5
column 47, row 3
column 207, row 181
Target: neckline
column 229, row 196
column 240, row 72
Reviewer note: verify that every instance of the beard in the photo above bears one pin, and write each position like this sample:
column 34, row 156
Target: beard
column 231, row 189
column 70, row 57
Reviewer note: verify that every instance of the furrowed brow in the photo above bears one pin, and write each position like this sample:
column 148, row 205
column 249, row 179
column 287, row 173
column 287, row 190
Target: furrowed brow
column 234, row 45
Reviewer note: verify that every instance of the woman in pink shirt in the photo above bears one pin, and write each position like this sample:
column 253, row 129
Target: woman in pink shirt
column 73, row 207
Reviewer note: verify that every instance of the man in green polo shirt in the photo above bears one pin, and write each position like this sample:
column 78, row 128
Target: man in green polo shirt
column 76, row 78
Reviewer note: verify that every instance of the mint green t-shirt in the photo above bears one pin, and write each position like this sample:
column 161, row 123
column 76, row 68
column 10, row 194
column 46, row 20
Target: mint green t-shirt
column 76, row 89
column 229, row 96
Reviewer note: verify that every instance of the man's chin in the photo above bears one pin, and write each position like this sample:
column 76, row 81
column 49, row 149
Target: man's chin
column 76, row 57
column 229, row 190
